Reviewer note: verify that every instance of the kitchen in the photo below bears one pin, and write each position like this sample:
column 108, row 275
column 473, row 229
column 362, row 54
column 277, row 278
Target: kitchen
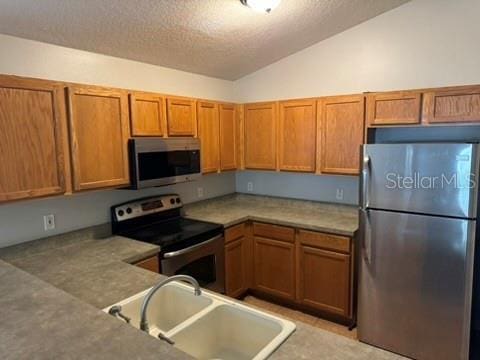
column 120, row 159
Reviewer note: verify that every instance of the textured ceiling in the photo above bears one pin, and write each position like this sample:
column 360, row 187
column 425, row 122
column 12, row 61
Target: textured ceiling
column 220, row 38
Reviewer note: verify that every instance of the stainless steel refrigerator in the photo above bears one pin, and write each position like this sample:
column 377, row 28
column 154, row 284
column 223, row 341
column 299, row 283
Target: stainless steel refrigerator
column 417, row 236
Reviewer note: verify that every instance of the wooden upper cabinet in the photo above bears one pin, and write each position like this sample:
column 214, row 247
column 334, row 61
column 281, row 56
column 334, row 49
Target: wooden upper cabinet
column 147, row 114
column 208, row 132
column 459, row 104
column 228, row 140
column 260, row 136
column 341, row 129
column 99, row 133
column 297, row 135
column 394, row 108
column 181, row 117
column 32, row 138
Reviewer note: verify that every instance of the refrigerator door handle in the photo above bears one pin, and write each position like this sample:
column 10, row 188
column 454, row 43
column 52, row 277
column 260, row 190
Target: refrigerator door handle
column 365, row 179
column 366, row 236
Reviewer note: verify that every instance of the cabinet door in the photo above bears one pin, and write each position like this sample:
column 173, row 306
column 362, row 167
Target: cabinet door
column 32, row 136
column 324, row 280
column 396, row 108
column 99, row 134
column 341, row 129
column 274, row 269
column 461, row 104
column 147, row 114
column 181, row 117
column 150, row 264
column 228, row 157
column 297, row 135
column 208, row 132
column 260, row 136
column 235, row 267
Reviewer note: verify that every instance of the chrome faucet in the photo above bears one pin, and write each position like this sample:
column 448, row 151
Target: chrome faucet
column 148, row 297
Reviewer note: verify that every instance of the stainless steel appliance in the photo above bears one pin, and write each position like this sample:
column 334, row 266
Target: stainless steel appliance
column 417, row 236
column 159, row 161
column 188, row 247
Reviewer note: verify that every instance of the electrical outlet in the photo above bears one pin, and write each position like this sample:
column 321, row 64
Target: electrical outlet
column 339, row 194
column 49, row 222
column 250, row 186
column 200, row 192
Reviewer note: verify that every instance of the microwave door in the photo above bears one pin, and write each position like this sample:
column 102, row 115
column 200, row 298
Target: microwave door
column 437, row 178
column 164, row 161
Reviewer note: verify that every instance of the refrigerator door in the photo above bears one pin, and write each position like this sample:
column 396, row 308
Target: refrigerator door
column 415, row 281
column 437, row 178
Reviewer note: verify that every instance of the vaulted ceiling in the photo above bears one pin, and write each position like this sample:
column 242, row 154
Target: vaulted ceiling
column 219, row 38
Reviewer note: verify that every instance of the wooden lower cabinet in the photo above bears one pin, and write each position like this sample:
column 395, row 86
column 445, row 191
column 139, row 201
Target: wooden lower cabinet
column 274, row 267
column 151, row 264
column 308, row 270
column 324, row 280
column 235, row 269
column 236, row 260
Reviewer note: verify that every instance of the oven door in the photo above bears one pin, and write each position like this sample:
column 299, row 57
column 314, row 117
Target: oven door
column 157, row 161
column 205, row 262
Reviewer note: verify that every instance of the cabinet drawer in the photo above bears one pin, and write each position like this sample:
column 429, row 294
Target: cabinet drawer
column 274, row 232
column 325, row 241
column 234, row 232
column 150, row 264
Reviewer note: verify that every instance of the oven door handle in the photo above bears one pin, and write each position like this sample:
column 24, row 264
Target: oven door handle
column 191, row 248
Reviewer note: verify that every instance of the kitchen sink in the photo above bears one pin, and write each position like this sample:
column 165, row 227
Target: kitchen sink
column 170, row 306
column 227, row 332
column 209, row 326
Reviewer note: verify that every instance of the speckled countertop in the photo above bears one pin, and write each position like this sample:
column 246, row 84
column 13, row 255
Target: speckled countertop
column 233, row 209
column 51, row 299
column 53, row 295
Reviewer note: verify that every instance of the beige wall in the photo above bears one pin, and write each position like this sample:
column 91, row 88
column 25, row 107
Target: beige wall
column 35, row 59
column 424, row 43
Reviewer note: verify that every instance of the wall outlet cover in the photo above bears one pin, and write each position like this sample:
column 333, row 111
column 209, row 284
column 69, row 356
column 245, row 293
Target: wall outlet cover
column 49, row 222
column 250, row 186
column 339, row 194
column 200, row 192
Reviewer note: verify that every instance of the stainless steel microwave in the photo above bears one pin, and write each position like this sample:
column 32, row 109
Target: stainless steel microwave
column 159, row 161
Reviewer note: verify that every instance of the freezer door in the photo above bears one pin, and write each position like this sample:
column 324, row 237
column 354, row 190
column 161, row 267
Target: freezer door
column 437, row 179
column 415, row 284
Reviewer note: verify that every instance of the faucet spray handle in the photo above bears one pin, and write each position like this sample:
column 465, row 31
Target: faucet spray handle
column 116, row 311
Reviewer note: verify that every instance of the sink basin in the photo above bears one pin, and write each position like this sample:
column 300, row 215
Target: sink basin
column 208, row 326
column 170, row 306
column 228, row 332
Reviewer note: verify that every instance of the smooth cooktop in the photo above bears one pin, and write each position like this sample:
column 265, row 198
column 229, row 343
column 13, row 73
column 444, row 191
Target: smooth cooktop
column 175, row 234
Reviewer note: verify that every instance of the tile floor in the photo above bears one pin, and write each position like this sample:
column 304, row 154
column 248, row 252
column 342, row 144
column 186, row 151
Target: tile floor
column 298, row 316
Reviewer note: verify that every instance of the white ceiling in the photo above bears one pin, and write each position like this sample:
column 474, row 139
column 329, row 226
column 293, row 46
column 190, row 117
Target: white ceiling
column 219, row 38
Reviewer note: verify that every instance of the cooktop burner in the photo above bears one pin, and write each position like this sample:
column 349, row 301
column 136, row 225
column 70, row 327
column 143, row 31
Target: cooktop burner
column 158, row 220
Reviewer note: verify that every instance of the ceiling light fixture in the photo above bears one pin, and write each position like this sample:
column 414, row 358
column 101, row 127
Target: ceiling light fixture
column 261, row 5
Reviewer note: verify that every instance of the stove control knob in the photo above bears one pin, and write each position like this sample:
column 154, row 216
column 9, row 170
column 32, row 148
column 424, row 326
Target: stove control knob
column 120, row 213
column 129, row 210
column 177, row 200
column 172, row 201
